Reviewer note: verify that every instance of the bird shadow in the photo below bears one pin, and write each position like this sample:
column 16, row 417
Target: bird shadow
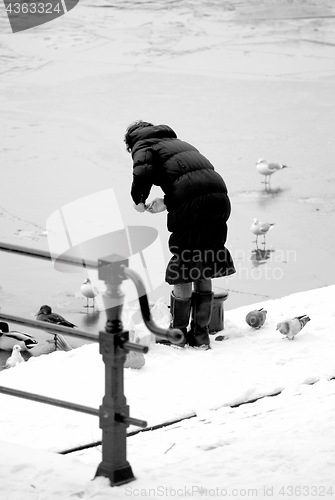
column 90, row 318
column 268, row 194
column 259, row 256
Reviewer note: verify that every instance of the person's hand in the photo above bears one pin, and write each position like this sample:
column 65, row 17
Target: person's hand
column 156, row 206
column 140, row 207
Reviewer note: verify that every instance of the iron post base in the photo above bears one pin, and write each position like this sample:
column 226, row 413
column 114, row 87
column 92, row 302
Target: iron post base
column 117, row 476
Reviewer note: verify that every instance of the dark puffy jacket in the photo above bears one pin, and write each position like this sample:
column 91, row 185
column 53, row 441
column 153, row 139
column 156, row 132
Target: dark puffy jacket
column 196, row 199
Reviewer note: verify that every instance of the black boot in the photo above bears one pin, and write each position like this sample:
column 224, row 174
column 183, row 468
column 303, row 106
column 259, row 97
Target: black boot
column 180, row 310
column 202, row 303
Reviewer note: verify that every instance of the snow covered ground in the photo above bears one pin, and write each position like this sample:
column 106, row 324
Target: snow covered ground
column 272, row 445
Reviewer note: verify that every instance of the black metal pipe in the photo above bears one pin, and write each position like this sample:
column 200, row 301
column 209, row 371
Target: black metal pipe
column 173, row 334
column 50, row 327
column 129, row 434
column 50, row 401
column 80, row 448
column 131, row 346
column 119, row 417
column 43, row 254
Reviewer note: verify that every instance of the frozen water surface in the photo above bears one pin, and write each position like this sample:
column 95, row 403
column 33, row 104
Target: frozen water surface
column 239, row 80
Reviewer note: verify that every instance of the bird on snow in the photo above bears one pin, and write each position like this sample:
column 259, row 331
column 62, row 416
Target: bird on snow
column 290, row 327
column 45, row 314
column 256, row 318
column 88, row 291
column 16, row 357
column 267, row 169
column 260, row 228
column 8, row 339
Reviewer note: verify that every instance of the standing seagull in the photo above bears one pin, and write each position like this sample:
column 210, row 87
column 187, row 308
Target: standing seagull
column 290, row 327
column 45, row 314
column 267, row 169
column 259, row 228
column 88, row 291
column 15, row 358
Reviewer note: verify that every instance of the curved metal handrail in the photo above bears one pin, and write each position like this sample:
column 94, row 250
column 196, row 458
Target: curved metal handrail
column 174, row 335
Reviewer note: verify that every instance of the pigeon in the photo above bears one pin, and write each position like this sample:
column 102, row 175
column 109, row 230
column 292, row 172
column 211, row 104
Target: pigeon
column 16, row 357
column 256, row 318
column 259, row 228
column 8, row 339
column 267, row 169
column 45, row 314
column 88, row 291
column 290, row 327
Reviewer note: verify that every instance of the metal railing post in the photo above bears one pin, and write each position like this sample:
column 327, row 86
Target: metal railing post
column 114, row 345
column 114, row 411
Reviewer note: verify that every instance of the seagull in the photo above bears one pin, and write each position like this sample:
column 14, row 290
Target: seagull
column 8, row 339
column 256, row 318
column 45, row 314
column 16, row 357
column 259, row 228
column 88, row 291
column 267, row 169
column 290, row 327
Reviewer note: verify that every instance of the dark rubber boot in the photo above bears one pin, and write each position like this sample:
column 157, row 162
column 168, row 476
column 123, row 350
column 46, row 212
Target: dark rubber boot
column 202, row 303
column 180, row 310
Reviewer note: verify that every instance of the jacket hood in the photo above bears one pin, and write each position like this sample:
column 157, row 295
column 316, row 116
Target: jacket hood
column 152, row 132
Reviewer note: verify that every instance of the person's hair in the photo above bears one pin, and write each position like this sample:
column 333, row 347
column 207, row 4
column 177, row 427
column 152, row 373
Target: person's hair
column 133, row 126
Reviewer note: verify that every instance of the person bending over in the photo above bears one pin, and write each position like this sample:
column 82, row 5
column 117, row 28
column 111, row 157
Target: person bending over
column 198, row 207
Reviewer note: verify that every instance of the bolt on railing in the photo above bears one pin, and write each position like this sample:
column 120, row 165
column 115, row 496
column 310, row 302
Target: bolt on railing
column 114, row 345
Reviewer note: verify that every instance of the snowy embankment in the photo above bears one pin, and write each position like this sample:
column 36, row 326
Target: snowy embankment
column 279, row 440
